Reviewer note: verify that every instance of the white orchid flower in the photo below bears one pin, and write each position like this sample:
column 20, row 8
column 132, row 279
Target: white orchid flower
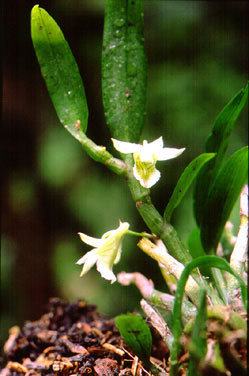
column 106, row 251
column 145, row 157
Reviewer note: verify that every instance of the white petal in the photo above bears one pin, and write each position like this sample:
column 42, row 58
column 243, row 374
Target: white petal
column 89, row 254
column 157, row 144
column 149, row 182
column 94, row 242
column 168, row 153
column 118, row 255
column 88, row 260
column 109, row 252
column 123, row 227
column 105, row 271
column 107, row 234
column 152, row 180
column 146, row 155
column 150, row 151
column 125, row 147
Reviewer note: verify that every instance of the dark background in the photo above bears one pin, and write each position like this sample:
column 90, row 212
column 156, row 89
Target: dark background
column 197, row 61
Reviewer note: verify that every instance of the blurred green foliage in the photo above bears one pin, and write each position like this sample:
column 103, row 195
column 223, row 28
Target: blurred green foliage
column 197, row 60
column 59, row 158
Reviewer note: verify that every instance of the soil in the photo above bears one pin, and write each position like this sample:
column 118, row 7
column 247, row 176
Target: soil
column 73, row 339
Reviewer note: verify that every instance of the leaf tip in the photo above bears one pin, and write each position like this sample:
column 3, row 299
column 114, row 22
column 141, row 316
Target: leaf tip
column 34, row 9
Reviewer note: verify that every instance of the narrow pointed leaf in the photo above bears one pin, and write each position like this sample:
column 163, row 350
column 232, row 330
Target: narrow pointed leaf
column 60, row 71
column 184, row 183
column 124, row 69
column 217, row 142
column 222, row 196
column 219, row 139
column 136, row 335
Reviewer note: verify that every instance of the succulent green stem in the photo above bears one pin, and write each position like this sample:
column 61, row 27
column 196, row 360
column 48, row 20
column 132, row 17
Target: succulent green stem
column 153, row 218
column 100, row 154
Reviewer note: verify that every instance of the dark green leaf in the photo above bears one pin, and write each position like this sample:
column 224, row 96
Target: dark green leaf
column 60, row 71
column 124, row 69
column 217, row 142
column 219, row 139
column 136, row 335
column 184, row 183
column 221, row 198
column 194, row 244
column 196, row 249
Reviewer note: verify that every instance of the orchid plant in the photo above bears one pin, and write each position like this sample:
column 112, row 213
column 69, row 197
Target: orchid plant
column 203, row 284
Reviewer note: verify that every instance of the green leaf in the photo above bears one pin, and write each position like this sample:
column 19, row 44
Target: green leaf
column 219, row 139
column 194, row 244
column 184, row 183
column 60, row 71
column 221, row 198
column 208, row 261
column 124, row 69
column 217, row 142
column 196, row 249
column 136, row 335
column 198, row 342
column 215, row 276
column 198, row 337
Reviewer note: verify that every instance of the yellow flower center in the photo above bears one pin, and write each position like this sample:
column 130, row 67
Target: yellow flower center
column 145, row 169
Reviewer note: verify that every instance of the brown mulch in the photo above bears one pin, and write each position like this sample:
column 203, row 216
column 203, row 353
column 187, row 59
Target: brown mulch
column 73, row 339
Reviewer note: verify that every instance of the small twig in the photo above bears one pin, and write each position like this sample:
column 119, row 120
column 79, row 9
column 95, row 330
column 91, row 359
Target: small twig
column 134, row 366
column 135, row 362
column 113, row 348
column 157, row 322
